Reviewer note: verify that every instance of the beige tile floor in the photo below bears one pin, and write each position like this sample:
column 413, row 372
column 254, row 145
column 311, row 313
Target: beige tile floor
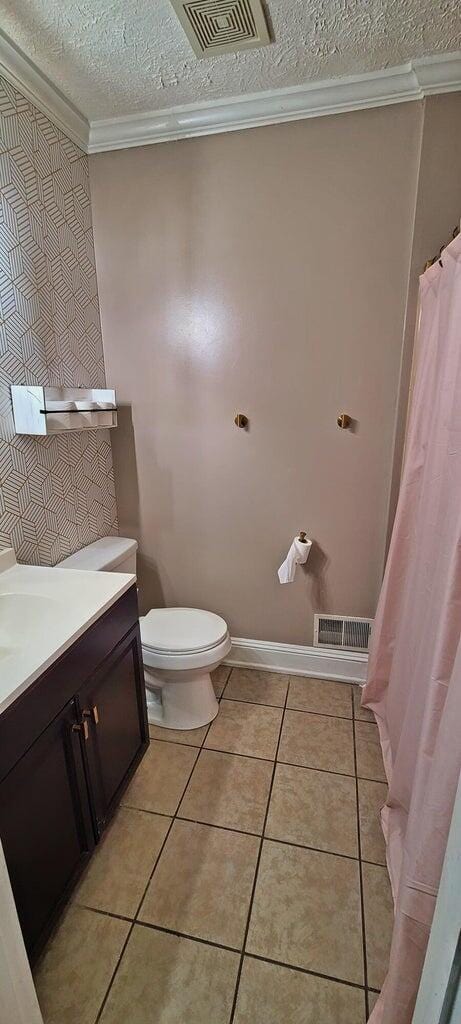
column 242, row 881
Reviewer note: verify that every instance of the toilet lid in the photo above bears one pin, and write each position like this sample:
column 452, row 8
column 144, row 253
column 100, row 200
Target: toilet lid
column 181, row 630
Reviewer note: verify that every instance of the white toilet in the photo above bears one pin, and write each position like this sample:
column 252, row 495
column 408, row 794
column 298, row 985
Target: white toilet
column 180, row 646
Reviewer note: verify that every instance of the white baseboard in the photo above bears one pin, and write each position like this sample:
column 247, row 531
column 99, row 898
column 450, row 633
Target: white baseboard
column 322, row 663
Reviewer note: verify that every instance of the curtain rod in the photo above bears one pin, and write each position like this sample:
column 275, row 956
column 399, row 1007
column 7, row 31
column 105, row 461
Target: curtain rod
column 434, row 259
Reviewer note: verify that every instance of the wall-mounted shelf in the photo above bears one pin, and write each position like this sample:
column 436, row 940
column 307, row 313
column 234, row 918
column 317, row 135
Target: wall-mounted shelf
column 54, row 410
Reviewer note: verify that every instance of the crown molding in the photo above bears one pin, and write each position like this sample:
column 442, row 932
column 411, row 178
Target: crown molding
column 440, row 73
column 37, row 88
column 412, row 81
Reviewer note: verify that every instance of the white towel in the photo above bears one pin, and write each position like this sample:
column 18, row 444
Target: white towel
column 297, row 555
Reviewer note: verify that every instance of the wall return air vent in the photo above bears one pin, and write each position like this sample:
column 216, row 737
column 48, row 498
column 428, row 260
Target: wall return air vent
column 222, row 26
column 345, row 631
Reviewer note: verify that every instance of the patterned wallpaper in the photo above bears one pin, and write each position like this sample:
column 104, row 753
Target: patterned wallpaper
column 56, row 494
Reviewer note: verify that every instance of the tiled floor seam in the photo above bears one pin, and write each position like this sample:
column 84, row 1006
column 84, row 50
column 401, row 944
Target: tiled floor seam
column 134, row 921
column 362, row 902
column 292, row 764
column 223, row 828
column 300, row 711
column 305, row 970
column 226, row 684
column 186, row 935
column 275, row 839
column 179, row 743
column 240, row 832
column 105, row 913
column 254, row 757
column 255, row 880
column 230, row 949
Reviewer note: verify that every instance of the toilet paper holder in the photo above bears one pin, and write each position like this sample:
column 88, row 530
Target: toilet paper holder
column 302, row 536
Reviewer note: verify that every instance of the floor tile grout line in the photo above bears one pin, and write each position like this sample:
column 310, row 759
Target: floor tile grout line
column 323, row 714
column 300, row 711
column 147, row 810
column 258, row 861
column 179, row 743
column 303, row 846
column 230, row 949
column 292, row 764
column 226, row 684
column 252, row 956
column 247, row 832
column 269, row 760
column 276, row 839
column 186, row 935
column 237, row 753
column 253, row 703
column 305, row 970
column 114, row 974
column 362, row 899
column 223, row 828
column 105, row 913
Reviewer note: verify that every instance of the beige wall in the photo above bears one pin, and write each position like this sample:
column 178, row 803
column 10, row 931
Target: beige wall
column 263, row 272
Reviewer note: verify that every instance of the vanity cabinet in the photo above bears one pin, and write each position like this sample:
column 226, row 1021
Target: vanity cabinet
column 109, row 703
column 45, row 822
column 68, row 747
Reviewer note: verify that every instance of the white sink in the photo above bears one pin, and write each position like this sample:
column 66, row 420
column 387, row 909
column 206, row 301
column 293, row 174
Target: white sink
column 42, row 612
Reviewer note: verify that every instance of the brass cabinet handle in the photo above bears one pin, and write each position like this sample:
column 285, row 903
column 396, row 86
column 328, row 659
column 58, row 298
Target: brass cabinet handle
column 82, row 727
column 91, row 713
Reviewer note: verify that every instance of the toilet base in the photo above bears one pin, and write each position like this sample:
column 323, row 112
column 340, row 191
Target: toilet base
column 184, row 703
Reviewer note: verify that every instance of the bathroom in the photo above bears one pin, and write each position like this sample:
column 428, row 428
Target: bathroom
column 218, row 287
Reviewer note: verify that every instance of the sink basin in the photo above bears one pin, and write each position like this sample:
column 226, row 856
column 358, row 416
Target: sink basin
column 43, row 611
column 23, row 618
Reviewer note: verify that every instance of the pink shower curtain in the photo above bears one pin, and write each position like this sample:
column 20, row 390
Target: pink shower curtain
column 414, row 677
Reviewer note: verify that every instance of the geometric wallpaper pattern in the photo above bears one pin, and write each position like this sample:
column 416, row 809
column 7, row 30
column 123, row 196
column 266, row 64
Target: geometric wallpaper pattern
column 56, row 494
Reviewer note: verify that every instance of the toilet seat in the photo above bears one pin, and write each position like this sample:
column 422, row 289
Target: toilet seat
column 181, row 632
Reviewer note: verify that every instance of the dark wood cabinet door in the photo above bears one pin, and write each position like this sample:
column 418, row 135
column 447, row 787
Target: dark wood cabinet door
column 113, row 703
column 45, row 824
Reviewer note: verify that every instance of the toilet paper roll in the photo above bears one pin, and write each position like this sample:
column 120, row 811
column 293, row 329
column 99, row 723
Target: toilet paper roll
column 297, row 555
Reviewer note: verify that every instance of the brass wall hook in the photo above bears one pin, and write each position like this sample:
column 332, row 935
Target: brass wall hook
column 344, row 420
column 241, row 420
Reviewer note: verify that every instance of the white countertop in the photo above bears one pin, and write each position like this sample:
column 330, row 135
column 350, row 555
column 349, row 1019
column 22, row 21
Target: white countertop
column 42, row 612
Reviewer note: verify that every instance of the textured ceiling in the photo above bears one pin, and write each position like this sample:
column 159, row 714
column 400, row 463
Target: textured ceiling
column 118, row 57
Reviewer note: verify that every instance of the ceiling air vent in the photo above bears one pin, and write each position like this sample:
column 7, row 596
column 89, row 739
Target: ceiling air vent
column 346, row 631
column 222, row 26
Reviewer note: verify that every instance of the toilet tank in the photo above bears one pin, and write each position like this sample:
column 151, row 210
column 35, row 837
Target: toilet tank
column 110, row 554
